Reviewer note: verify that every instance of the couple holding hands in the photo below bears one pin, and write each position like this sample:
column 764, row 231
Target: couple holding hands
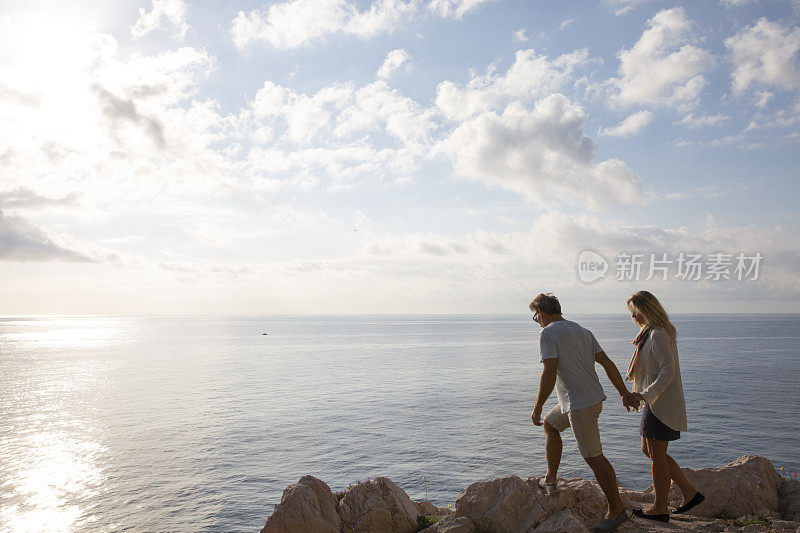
column 569, row 353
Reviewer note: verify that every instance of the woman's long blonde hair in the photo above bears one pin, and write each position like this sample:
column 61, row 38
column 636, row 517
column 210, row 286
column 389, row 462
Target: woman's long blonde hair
column 650, row 309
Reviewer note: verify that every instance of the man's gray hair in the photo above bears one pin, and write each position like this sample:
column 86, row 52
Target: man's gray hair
column 546, row 302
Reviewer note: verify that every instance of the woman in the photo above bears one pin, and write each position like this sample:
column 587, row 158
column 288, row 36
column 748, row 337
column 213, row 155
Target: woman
column 656, row 376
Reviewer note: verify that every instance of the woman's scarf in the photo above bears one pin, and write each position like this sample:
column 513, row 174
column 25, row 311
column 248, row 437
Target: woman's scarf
column 639, row 341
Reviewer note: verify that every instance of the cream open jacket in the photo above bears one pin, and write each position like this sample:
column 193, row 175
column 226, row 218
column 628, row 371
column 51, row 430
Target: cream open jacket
column 658, row 379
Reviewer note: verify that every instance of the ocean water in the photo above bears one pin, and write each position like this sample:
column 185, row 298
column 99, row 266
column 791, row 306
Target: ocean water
column 198, row 423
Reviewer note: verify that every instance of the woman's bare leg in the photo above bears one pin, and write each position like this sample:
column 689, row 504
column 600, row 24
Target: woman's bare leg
column 661, row 475
column 676, row 474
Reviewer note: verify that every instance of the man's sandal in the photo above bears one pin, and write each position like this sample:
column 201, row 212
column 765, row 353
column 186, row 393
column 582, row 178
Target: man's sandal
column 551, row 489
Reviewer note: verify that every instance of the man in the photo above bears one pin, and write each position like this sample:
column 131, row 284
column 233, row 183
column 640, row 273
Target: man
column 569, row 353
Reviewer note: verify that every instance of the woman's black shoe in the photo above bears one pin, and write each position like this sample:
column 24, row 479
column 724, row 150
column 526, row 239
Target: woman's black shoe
column 697, row 499
column 658, row 517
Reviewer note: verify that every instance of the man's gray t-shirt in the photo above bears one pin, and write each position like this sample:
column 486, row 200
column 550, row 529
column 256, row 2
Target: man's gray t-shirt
column 577, row 384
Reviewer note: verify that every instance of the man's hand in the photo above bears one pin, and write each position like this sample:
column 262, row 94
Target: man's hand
column 536, row 416
column 633, row 399
column 625, row 400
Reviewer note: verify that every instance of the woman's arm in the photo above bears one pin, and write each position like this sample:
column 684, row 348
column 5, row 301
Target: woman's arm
column 664, row 356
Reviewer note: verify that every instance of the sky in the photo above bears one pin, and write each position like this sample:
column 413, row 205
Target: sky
column 398, row 156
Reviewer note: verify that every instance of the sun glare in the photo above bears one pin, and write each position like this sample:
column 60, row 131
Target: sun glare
column 46, row 59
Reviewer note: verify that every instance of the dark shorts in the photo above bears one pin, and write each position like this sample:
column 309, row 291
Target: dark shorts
column 652, row 428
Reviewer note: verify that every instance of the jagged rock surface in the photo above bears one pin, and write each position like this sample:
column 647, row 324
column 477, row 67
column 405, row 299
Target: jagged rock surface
column 308, row 506
column 378, row 507
column 747, row 485
column 789, row 500
column 451, row 524
column 510, row 504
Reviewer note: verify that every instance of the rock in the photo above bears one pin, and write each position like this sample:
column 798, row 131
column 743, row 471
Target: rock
column 747, row 485
column 561, row 521
column 511, row 504
column 754, row 528
column 631, row 498
column 378, row 506
column 427, row 508
column 789, row 500
column 584, row 498
column 308, row 506
column 451, row 524
column 503, row 504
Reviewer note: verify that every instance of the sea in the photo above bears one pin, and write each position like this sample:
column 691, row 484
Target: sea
column 198, row 423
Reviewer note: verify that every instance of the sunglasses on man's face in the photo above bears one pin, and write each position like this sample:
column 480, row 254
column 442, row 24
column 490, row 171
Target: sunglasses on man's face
column 536, row 316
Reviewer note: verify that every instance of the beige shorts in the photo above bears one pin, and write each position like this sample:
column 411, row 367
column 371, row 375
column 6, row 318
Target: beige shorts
column 584, row 427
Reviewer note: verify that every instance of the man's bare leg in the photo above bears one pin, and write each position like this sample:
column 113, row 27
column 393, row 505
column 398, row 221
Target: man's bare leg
column 552, row 448
column 607, row 479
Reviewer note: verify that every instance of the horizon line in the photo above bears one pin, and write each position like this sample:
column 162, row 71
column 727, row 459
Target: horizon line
column 2, row 316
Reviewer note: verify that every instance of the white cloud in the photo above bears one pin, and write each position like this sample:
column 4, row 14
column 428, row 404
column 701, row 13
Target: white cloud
column 23, row 197
column 765, row 55
column 173, row 11
column 304, row 116
column 294, row 23
column 340, row 112
column 633, row 124
column 621, row 7
column 740, row 3
column 662, row 68
column 735, row 3
column 336, row 168
column 378, row 106
column 531, row 76
column 565, row 23
column 520, row 37
column 156, row 81
column 22, row 241
column 383, row 16
column 783, row 118
column 703, row 121
column 298, row 22
column 393, row 61
column 763, row 98
column 454, row 8
column 541, row 153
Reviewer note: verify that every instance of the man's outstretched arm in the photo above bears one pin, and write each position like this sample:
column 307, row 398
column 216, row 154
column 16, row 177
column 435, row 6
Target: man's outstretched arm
column 546, row 384
column 613, row 374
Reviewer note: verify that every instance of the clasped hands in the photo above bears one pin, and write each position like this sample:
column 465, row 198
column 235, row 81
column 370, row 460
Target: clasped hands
column 631, row 399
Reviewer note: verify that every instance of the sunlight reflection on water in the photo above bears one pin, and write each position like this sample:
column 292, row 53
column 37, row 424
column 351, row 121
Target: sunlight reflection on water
column 51, row 482
column 50, row 441
column 53, row 472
